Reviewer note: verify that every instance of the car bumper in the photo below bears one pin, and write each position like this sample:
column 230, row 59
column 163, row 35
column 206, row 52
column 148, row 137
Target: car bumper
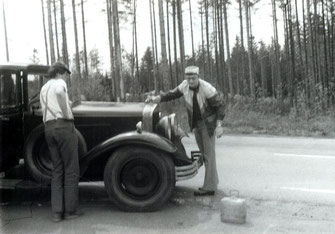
column 189, row 171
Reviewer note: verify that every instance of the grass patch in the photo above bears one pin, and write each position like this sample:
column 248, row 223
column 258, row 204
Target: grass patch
column 266, row 116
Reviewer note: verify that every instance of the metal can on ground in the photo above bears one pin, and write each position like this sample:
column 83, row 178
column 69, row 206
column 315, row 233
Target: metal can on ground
column 233, row 209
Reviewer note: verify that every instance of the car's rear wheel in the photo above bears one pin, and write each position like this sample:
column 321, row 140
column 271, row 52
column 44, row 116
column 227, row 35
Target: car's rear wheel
column 37, row 155
column 139, row 179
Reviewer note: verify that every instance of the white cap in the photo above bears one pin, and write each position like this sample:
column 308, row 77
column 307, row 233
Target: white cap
column 192, row 70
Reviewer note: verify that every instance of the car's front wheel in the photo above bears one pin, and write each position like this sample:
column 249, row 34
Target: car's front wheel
column 139, row 178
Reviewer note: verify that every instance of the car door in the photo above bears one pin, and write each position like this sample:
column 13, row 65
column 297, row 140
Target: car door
column 11, row 138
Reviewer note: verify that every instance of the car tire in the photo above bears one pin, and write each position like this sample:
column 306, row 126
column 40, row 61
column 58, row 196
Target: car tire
column 37, row 155
column 139, row 179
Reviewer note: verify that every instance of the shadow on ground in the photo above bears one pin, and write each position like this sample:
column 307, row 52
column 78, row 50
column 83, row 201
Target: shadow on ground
column 25, row 208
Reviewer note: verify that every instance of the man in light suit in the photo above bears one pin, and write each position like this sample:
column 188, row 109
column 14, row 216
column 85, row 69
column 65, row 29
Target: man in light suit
column 206, row 110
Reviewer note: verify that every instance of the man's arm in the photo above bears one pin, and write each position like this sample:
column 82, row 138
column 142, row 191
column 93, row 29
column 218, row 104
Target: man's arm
column 164, row 97
column 61, row 98
column 217, row 102
column 171, row 95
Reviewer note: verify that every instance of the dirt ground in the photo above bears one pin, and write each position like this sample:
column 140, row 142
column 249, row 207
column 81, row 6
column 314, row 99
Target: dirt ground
column 29, row 212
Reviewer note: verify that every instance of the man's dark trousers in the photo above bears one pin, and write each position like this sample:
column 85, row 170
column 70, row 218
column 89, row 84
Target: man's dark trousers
column 63, row 145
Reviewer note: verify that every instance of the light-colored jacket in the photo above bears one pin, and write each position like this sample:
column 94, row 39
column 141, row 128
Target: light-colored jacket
column 210, row 102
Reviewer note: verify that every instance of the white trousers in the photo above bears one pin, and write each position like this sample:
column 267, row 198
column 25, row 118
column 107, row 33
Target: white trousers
column 206, row 146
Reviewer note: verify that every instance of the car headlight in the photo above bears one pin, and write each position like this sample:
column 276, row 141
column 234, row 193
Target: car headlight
column 168, row 126
column 173, row 125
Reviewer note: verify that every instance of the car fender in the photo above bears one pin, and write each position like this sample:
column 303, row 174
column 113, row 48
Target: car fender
column 128, row 139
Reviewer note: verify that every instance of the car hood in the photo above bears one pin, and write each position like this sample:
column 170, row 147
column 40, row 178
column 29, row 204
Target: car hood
column 112, row 109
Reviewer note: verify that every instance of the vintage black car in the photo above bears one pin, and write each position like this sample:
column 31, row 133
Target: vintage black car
column 130, row 146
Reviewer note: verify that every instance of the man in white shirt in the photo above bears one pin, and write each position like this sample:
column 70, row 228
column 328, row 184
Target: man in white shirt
column 62, row 142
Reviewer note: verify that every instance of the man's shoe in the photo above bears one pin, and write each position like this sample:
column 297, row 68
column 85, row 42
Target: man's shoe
column 72, row 215
column 57, row 217
column 204, row 193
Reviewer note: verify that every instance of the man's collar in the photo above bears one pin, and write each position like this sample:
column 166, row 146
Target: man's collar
column 196, row 89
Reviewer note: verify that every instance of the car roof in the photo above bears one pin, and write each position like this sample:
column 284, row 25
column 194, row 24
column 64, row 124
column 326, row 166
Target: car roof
column 28, row 68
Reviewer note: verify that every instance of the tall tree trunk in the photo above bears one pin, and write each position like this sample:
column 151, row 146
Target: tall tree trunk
column 209, row 65
column 191, row 22
column 175, row 40
column 64, row 40
column 222, row 55
column 311, row 54
column 45, row 34
column 162, row 30
column 251, row 75
column 132, row 86
column 153, row 48
column 51, row 36
column 287, row 64
column 5, row 29
column 251, row 36
column 56, row 27
column 132, row 66
column 117, row 44
column 325, row 51
column 277, row 53
column 230, row 79
column 164, row 64
column 84, row 38
column 181, row 36
column 203, row 52
column 172, row 82
column 136, row 47
column 306, row 63
column 318, row 57
column 329, row 36
column 273, row 68
column 219, row 40
column 242, row 66
column 302, row 66
column 76, row 39
column 111, row 46
column 292, row 83
column 215, row 28
column 332, row 33
column 316, row 44
column 263, row 75
column 159, row 83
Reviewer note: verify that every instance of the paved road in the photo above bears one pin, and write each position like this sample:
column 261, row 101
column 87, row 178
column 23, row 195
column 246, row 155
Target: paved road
column 288, row 184
column 280, row 168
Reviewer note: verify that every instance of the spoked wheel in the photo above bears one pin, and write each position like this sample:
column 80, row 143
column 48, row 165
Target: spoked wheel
column 139, row 179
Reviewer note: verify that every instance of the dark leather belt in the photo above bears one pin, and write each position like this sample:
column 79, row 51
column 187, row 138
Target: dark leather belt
column 58, row 120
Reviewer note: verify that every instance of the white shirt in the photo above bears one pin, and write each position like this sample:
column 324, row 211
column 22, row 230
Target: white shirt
column 53, row 105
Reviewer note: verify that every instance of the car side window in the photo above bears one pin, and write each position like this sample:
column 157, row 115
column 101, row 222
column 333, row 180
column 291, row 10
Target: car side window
column 8, row 94
column 33, row 85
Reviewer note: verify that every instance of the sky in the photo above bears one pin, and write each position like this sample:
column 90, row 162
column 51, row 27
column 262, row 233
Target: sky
column 25, row 28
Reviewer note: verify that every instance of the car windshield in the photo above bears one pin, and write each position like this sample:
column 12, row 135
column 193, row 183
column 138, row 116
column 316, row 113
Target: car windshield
column 8, row 94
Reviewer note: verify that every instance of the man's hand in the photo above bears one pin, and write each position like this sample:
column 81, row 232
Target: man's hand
column 219, row 129
column 154, row 99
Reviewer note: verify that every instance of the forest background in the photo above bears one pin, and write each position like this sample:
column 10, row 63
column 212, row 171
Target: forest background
column 270, row 88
